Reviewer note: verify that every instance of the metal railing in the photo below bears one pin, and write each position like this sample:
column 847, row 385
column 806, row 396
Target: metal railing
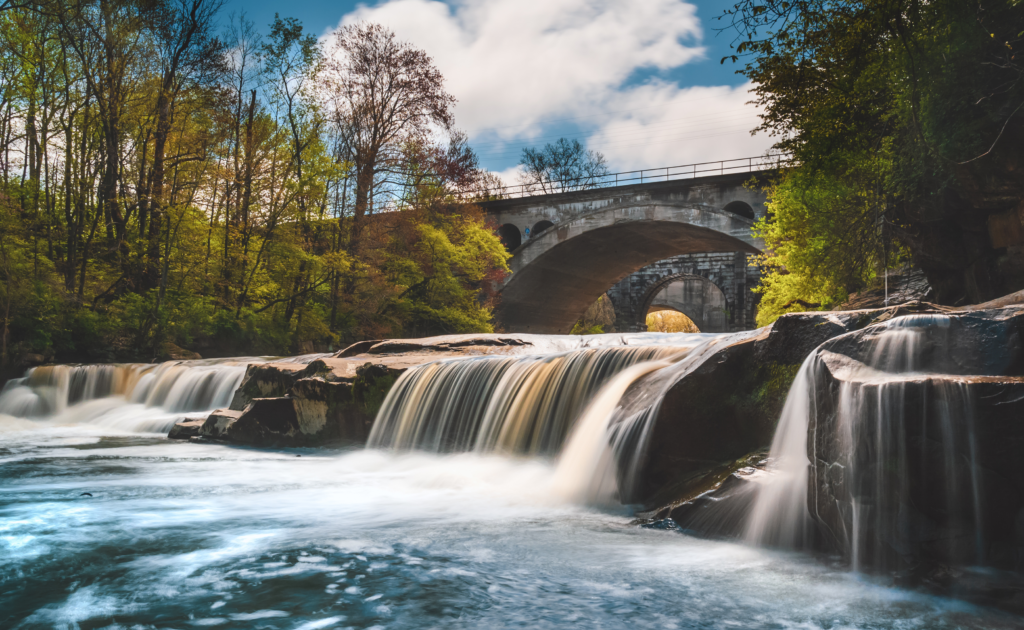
column 627, row 178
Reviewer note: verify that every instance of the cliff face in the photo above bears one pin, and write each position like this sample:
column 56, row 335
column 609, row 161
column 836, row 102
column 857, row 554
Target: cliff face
column 969, row 238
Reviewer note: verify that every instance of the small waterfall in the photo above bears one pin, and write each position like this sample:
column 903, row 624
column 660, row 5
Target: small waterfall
column 605, row 452
column 862, row 440
column 524, row 405
column 780, row 517
column 141, row 397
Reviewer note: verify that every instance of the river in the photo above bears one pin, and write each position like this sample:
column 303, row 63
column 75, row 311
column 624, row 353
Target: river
column 179, row 535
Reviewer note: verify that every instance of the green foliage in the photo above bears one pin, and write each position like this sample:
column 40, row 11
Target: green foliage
column 244, row 240
column 902, row 122
column 824, row 240
column 581, row 328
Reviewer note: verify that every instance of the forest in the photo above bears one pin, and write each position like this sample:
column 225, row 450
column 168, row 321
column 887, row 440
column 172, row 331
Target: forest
column 172, row 179
column 903, row 125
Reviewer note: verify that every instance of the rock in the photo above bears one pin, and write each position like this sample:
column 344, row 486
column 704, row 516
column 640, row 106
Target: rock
column 358, row 347
column 718, row 502
column 933, row 476
column 324, row 406
column 187, row 428
column 217, row 423
column 265, row 380
column 905, row 285
column 32, row 359
column 263, row 422
column 449, row 343
column 170, row 352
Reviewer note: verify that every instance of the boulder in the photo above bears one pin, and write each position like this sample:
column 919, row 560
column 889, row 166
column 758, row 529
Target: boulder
column 217, row 424
column 263, row 422
column 170, row 352
column 185, row 429
column 265, row 380
column 324, row 406
column 707, row 412
column 921, row 469
column 718, row 503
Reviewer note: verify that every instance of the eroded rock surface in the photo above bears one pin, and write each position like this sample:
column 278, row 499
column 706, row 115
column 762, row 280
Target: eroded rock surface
column 728, row 406
column 333, row 400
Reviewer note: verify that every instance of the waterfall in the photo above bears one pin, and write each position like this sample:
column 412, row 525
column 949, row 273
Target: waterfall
column 593, row 408
column 779, row 517
column 134, row 397
column 522, row 404
column 875, row 422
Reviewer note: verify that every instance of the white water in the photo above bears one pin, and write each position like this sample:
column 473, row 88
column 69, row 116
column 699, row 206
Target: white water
column 132, row 397
column 869, row 427
column 180, row 535
column 520, row 404
column 187, row 535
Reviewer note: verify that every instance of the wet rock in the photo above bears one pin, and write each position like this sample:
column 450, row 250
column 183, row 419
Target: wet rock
column 265, row 380
column 185, row 429
column 729, row 404
column 216, row 425
column 264, row 422
column 717, row 501
column 933, row 478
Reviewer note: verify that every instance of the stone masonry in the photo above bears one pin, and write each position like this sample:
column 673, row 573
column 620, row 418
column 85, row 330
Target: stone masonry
column 730, row 272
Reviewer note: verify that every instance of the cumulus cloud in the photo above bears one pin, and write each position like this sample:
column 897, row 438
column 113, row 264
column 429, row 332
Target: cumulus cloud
column 665, row 125
column 522, row 69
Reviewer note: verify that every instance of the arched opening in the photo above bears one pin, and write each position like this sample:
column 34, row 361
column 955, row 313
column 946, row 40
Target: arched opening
column 696, row 297
column 665, row 319
column 741, row 208
column 550, row 286
column 510, row 237
column 539, row 227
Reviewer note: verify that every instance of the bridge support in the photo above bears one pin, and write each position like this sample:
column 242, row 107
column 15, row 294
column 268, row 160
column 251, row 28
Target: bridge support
column 728, row 273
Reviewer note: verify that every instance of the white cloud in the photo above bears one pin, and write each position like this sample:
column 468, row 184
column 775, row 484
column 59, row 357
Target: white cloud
column 519, row 67
column 667, row 125
column 513, row 62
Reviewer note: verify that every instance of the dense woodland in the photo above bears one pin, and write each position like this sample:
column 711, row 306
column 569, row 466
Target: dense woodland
column 171, row 177
column 904, row 123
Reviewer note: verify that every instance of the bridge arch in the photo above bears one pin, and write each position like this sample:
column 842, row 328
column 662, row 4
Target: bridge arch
column 510, row 236
column 563, row 270
column 540, row 226
column 741, row 208
column 693, row 295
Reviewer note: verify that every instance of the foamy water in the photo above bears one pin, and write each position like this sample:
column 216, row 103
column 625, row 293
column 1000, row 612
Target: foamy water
column 179, row 535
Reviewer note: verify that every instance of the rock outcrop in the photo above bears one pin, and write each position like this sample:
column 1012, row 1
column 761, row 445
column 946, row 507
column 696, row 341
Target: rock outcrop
column 933, row 477
column 727, row 406
column 331, row 400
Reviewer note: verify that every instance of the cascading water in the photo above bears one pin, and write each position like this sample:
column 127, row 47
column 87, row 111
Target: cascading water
column 569, row 404
column 523, row 405
column 133, row 397
column 876, row 457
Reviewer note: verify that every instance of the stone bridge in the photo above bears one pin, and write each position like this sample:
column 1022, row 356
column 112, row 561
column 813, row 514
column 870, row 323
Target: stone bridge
column 580, row 244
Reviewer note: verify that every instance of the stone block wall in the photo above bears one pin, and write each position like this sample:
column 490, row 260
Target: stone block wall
column 731, row 272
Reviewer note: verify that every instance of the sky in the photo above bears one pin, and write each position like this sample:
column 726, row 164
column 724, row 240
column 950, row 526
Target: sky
column 638, row 80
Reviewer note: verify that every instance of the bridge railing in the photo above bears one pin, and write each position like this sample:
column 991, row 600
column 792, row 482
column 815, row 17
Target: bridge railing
column 626, row 178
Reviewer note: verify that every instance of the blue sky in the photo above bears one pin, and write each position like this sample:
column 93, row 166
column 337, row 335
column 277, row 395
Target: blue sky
column 638, row 80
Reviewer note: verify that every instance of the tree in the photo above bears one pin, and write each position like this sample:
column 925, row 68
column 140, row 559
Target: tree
column 159, row 186
column 905, row 119
column 561, row 167
column 387, row 95
column 189, row 56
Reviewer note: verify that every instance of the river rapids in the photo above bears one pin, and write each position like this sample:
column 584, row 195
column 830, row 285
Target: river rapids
column 104, row 523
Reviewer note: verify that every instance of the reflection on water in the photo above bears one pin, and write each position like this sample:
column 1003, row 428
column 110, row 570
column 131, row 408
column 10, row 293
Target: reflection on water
column 179, row 535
